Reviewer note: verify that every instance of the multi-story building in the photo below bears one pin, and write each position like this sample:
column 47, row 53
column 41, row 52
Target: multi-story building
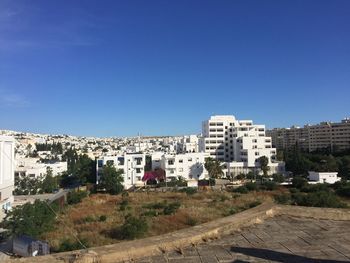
column 286, row 138
column 131, row 164
column 239, row 143
column 188, row 144
column 7, row 166
column 335, row 136
column 189, row 166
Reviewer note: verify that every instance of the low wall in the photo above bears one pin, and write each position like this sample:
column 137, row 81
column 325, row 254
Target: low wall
column 155, row 245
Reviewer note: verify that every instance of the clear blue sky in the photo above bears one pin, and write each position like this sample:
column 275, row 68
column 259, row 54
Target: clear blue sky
column 116, row 68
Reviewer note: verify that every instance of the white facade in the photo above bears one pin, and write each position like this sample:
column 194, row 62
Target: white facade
column 29, row 167
column 188, row 144
column 324, row 177
column 132, row 166
column 238, row 142
column 7, row 165
column 189, row 166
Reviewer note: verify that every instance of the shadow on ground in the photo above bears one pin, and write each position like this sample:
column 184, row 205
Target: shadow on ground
column 277, row 256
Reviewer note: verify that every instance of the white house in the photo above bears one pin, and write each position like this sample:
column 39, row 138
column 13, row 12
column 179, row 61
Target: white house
column 323, row 177
column 132, row 165
column 7, row 166
column 189, row 166
column 30, row 167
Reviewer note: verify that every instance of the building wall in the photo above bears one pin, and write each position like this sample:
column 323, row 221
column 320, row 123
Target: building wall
column 324, row 177
column 188, row 165
column 132, row 166
column 7, row 164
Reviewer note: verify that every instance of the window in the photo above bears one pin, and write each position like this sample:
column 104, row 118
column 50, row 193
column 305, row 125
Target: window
column 171, row 162
column 138, row 170
column 138, row 160
column 181, row 161
column 190, row 159
column 100, row 163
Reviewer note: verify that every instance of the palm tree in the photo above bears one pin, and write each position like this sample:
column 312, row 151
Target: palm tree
column 214, row 168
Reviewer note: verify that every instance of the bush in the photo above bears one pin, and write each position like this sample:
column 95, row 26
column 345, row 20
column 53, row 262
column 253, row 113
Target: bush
column 76, row 197
column 103, row 218
column 282, row 199
column 278, row 178
column 232, row 211
column 123, row 205
column 150, row 213
column 299, row 182
column 190, row 221
column 158, row 205
column 251, row 186
column 189, row 190
column 241, row 189
column 269, row 186
column 343, row 189
column 67, row 245
column 254, row 204
column 88, row 219
column 171, row 208
column 318, row 199
column 133, row 228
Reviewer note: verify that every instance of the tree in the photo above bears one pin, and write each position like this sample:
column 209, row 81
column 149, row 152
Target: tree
column 264, row 164
column 214, row 167
column 30, row 219
column 111, row 179
column 49, row 183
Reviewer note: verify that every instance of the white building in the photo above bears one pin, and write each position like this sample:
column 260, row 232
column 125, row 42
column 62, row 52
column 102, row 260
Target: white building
column 189, row 166
column 30, row 167
column 239, row 143
column 7, row 165
column 323, row 177
column 132, row 165
column 188, row 144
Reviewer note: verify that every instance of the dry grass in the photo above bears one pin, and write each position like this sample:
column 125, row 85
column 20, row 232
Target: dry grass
column 83, row 221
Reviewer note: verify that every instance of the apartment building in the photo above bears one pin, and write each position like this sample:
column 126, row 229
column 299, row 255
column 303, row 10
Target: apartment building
column 189, row 166
column 286, row 138
column 7, row 166
column 335, row 136
column 132, row 165
column 188, row 144
column 228, row 140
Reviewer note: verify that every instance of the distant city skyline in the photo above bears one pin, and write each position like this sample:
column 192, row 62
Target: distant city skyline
column 116, row 68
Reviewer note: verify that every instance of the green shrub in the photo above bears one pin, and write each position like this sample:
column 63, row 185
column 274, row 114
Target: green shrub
column 343, row 190
column 123, row 205
column 157, row 205
column 240, row 189
column 76, row 197
column 133, row 228
column 278, row 178
column 223, row 198
column 68, row 245
column 232, row 211
column 282, row 199
column 254, row 204
column 171, row 208
column 299, row 182
column 103, row 218
column 269, row 185
column 251, row 186
column 150, row 213
column 88, row 219
column 189, row 190
column 190, row 221
column 318, row 199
